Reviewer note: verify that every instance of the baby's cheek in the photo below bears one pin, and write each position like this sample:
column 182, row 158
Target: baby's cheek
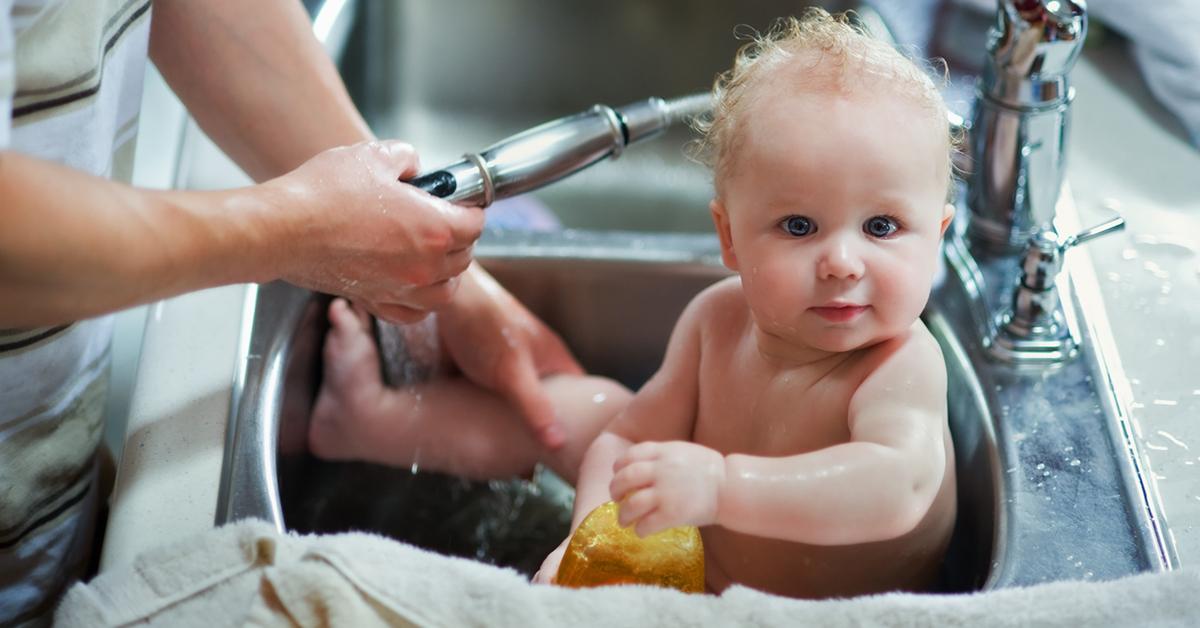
column 906, row 292
column 773, row 288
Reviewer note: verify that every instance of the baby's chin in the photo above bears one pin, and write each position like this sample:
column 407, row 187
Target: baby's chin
column 841, row 340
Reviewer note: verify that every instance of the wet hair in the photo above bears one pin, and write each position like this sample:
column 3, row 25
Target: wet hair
column 836, row 55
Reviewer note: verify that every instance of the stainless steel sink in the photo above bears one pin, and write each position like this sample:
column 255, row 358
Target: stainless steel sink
column 1038, row 499
column 615, row 305
column 1047, row 488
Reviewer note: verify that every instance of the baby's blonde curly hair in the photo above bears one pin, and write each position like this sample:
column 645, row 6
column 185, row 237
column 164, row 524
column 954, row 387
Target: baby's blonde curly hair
column 838, row 55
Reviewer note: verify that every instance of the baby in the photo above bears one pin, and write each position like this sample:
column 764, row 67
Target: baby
column 799, row 416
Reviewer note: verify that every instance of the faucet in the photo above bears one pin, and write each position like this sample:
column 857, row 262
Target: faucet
column 1021, row 119
column 1018, row 138
column 548, row 152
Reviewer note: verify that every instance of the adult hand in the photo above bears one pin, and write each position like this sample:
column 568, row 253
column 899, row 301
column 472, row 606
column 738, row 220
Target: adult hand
column 354, row 230
column 502, row 346
column 663, row 485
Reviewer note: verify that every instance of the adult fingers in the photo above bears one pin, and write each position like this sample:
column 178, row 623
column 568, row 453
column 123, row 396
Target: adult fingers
column 430, row 297
column 456, row 262
column 402, row 155
column 396, row 313
column 466, row 223
column 522, row 387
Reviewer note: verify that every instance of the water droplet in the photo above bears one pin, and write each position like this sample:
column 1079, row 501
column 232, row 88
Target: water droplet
column 1171, row 438
column 1041, row 465
column 1076, row 462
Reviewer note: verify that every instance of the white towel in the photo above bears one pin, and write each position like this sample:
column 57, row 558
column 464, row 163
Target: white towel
column 248, row 574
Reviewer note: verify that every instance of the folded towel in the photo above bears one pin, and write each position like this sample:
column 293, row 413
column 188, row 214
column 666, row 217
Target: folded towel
column 249, row 574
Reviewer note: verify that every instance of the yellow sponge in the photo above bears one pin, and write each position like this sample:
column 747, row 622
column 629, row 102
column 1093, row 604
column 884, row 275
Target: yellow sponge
column 601, row 552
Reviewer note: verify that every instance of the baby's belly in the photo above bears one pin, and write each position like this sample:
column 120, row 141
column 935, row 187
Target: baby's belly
column 910, row 562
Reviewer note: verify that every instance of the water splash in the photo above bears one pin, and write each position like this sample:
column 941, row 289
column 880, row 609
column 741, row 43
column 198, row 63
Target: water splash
column 513, row 523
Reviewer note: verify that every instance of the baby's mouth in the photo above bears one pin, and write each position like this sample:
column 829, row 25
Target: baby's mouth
column 839, row 313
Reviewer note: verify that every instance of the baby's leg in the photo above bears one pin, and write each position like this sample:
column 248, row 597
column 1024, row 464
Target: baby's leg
column 448, row 424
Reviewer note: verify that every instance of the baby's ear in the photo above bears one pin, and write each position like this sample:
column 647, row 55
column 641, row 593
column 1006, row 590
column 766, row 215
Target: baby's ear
column 947, row 218
column 721, row 221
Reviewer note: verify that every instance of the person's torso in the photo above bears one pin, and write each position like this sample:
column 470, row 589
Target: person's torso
column 70, row 89
column 750, row 407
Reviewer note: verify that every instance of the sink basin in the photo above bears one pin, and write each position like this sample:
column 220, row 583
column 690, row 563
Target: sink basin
column 1040, row 498
column 1048, row 489
column 589, row 287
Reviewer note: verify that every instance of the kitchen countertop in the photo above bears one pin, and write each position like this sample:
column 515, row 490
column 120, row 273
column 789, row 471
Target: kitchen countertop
column 1126, row 154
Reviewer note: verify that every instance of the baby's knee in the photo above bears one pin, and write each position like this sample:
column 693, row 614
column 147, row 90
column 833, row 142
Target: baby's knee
column 587, row 392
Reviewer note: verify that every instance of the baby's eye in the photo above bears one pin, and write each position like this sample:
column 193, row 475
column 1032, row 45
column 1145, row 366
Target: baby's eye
column 880, row 226
column 798, row 226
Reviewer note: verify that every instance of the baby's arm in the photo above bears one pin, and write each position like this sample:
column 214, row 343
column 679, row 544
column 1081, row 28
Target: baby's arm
column 876, row 487
column 663, row 410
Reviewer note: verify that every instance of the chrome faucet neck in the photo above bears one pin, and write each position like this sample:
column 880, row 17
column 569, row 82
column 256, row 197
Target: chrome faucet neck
column 1020, row 122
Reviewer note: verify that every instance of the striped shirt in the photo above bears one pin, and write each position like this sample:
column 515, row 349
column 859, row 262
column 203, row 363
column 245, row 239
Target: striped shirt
column 70, row 87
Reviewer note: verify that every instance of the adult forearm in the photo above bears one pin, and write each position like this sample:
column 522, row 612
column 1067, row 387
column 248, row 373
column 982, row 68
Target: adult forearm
column 847, row 494
column 255, row 79
column 73, row 245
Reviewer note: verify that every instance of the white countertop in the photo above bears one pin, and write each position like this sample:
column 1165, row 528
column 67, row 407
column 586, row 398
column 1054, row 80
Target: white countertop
column 1121, row 154
column 1128, row 154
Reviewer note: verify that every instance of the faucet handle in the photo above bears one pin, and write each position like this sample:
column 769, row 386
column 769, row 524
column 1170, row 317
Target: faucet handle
column 1043, row 257
column 1032, row 330
column 1115, row 223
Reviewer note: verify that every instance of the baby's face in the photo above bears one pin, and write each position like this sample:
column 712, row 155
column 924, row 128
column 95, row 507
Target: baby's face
column 832, row 212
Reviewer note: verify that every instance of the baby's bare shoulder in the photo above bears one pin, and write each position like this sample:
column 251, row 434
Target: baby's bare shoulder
column 909, row 367
column 719, row 304
column 915, row 347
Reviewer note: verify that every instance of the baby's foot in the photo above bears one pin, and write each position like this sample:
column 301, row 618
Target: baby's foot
column 351, row 388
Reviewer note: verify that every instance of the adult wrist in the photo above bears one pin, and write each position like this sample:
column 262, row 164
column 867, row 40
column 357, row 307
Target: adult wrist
column 270, row 226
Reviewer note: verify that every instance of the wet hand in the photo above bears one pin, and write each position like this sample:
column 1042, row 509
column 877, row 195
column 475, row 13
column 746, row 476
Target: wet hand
column 668, row 484
column 549, row 569
column 502, row 346
column 351, row 228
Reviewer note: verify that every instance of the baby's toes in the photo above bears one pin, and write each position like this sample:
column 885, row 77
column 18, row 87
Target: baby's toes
column 351, row 358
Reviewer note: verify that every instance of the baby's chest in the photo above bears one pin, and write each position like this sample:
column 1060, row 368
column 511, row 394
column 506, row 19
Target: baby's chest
column 746, row 412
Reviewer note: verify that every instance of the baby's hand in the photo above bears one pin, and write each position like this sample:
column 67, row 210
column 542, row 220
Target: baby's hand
column 663, row 485
column 549, row 569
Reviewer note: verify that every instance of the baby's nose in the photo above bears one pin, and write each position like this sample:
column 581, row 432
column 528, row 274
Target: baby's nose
column 840, row 260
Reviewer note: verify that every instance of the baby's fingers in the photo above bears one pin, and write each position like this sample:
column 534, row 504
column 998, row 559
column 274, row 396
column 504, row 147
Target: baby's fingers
column 640, row 452
column 637, row 506
column 654, row 522
column 630, row 478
